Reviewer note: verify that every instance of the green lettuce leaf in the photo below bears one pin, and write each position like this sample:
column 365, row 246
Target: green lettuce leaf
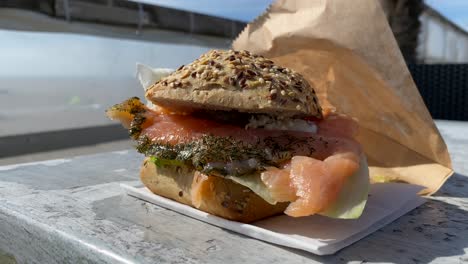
column 254, row 183
column 353, row 196
column 165, row 162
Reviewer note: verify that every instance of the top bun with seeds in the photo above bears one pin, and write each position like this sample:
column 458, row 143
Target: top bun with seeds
column 236, row 80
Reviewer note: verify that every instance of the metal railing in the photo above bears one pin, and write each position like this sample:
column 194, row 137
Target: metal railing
column 444, row 89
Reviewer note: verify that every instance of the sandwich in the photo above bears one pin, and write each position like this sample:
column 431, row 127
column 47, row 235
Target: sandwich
column 237, row 136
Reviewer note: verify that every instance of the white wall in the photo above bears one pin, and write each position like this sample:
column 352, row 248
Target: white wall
column 441, row 42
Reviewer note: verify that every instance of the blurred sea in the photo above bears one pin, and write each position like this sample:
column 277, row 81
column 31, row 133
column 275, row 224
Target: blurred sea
column 51, row 79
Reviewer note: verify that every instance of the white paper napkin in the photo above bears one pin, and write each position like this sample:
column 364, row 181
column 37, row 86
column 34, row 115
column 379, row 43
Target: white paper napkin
column 317, row 234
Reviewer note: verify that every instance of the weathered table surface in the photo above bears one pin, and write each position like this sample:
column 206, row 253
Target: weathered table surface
column 73, row 211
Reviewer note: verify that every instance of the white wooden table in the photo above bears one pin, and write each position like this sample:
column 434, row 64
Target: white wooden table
column 73, row 211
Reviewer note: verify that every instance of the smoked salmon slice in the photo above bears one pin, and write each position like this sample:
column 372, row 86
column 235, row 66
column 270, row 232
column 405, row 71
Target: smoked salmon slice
column 336, row 125
column 316, row 183
column 278, row 181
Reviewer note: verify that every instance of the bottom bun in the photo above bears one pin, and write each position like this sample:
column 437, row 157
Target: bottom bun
column 214, row 195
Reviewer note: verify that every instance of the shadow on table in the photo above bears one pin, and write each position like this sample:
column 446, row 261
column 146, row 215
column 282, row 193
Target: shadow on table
column 456, row 186
column 434, row 230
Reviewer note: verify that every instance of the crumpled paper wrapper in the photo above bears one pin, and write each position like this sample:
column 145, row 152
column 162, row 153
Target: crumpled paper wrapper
column 348, row 53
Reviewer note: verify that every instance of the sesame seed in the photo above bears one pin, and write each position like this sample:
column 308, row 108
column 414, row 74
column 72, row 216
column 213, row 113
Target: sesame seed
column 298, row 107
column 232, row 81
column 242, row 82
column 251, row 73
column 171, row 85
column 291, row 94
column 269, row 101
column 185, row 75
column 283, row 92
column 261, row 80
column 274, row 91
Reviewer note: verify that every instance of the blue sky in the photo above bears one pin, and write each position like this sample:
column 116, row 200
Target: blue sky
column 246, row 10
column 455, row 10
column 243, row 10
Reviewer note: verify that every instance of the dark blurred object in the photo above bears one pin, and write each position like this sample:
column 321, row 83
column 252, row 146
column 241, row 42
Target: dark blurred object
column 444, row 88
column 403, row 17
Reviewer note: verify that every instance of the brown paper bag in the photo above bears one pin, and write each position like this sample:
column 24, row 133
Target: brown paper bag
column 347, row 51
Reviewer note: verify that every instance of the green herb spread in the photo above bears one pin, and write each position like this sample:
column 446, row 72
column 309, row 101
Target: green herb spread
column 222, row 156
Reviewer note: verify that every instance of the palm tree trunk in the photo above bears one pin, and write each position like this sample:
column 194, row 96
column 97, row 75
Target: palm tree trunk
column 403, row 17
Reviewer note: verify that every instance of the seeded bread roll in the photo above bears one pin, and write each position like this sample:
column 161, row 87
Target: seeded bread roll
column 236, row 80
column 214, row 195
